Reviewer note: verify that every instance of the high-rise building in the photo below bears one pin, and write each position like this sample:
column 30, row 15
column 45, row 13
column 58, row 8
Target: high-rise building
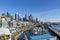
column 36, row 19
column 3, row 16
column 11, row 18
column 17, row 16
column 9, row 14
column 26, row 17
column 31, row 18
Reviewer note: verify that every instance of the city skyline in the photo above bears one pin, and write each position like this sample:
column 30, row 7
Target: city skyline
column 45, row 10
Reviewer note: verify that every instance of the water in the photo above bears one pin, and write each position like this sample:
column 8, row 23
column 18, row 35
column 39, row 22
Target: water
column 57, row 27
column 21, row 37
column 45, row 36
column 41, row 37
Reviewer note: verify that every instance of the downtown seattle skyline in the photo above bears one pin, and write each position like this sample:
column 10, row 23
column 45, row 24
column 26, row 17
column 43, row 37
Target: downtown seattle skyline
column 45, row 10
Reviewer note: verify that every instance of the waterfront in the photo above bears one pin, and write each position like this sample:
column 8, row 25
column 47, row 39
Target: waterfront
column 29, row 19
column 27, row 29
column 48, row 35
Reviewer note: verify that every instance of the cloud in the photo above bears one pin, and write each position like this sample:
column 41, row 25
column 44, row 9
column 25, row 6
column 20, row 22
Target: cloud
column 50, row 15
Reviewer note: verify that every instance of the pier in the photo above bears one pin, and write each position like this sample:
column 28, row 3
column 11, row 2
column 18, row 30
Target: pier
column 54, row 32
column 20, row 31
column 17, row 27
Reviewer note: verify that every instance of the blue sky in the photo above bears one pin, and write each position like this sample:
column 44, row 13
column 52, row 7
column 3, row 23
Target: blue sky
column 45, row 10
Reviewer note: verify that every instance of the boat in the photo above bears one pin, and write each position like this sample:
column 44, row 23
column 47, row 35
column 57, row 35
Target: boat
column 46, row 36
column 39, row 33
column 36, row 30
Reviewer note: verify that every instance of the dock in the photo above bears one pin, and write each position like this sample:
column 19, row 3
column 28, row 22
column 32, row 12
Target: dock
column 54, row 30
column 20, row 31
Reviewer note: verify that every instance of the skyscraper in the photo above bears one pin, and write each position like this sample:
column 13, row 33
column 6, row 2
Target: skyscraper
column 30, row 17
column 17, row 16
column 9, row 14
column 26, row 17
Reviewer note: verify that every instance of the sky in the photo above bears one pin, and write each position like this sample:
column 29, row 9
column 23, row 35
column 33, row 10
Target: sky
column 45, row 10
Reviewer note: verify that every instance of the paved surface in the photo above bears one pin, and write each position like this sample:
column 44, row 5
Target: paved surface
column 55, row 31
column 20, row 31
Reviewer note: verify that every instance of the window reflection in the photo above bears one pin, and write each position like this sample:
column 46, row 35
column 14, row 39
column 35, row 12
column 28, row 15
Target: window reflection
column 0, row 23
column 10, row 24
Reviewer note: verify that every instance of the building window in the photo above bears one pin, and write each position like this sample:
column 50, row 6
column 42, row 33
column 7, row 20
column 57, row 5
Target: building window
column 0, row 23
column 10, row 24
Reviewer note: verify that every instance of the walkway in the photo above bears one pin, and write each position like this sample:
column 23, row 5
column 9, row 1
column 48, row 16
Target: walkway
column 20, row 31
column 55, row 31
